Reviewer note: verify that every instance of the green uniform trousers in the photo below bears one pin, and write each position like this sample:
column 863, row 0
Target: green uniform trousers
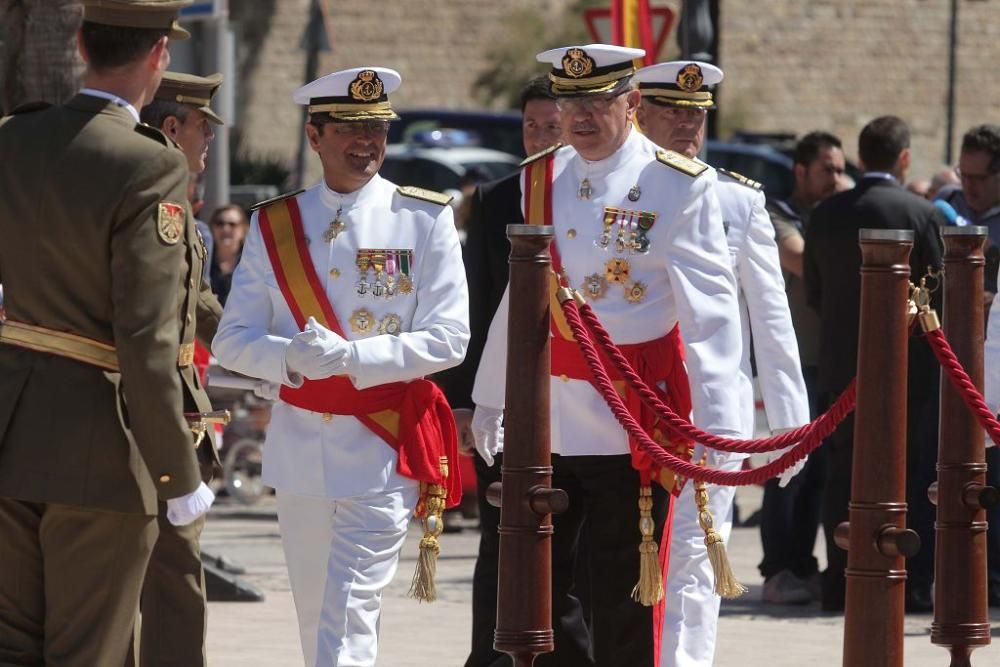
column 174, row 614
column 70, row 579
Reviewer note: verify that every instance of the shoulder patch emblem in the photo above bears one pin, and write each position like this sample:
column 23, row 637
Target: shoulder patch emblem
column 681, row 163
column 425, row 195
column 741, row 179
column 170, row 222
column 28, row 107
column 539, row 155
column 152, row 133
column 274, row 200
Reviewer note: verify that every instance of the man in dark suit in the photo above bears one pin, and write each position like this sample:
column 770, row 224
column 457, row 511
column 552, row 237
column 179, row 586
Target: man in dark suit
column 833, row 283
column 96, row 263
column 494, row 206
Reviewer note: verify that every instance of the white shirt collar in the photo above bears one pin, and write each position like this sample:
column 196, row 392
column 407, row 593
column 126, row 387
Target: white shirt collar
column 93, row 92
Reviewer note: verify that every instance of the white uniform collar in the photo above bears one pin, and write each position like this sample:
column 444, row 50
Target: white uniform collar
column 336, row 200
column 104, row 95
column 600, row 168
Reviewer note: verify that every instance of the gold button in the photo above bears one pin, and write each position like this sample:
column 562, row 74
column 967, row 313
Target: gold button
column 571, row 233
column 334, row 273
column 164, row 479
column 564, row 377
column 327, row 417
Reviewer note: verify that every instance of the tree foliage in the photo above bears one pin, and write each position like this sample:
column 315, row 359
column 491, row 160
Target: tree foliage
column 526, row 31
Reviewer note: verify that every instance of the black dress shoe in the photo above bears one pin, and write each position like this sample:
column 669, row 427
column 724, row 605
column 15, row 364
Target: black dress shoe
column 918, row 600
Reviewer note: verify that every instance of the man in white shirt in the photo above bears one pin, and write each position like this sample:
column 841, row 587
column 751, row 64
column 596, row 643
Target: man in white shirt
column 639, row 233
column 347, row 295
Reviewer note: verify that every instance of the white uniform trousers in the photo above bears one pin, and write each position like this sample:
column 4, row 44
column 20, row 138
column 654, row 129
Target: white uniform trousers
column 692, row 607
column 340, row 554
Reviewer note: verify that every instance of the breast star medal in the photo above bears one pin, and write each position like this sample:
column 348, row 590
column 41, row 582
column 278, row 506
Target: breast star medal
column 635, row 292
column 616, row 270
column 336, row 226
column 391, row 324
column 595, row 286
column 362, row 321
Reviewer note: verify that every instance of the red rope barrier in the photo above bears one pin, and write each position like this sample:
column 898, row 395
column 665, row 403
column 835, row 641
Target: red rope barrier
column 681, row 428
column 963, row 383
column 809, row 442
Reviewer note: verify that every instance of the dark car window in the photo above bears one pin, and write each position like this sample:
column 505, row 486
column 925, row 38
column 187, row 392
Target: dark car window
column 419, row 172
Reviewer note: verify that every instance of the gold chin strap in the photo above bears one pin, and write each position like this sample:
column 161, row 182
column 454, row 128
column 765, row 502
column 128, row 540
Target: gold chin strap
column 423, row 588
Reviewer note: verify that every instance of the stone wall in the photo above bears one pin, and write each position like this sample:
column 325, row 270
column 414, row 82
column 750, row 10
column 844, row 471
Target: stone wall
column 791, row 65
column 800, row 65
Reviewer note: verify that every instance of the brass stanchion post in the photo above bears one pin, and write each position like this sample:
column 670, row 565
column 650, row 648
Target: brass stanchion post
column 876, row 536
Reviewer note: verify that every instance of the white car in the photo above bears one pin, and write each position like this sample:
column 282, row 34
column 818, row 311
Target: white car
column 443, row 168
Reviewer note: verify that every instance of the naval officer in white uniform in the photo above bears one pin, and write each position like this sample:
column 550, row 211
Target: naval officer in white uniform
column 675, row 99
column 389, row 263
column 640, row 235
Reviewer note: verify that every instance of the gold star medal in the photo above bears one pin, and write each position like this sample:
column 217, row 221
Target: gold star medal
column 362, row 321
column 391, row 324
column 336, row 226
column 616, row 270
column 595, row 286
column 635, row 292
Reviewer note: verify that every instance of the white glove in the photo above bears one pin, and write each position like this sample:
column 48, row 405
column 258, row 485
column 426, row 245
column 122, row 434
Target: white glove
column 786, row 477
column 487, row 429
column 317, row 353
column 182, row 511
column 267, row 390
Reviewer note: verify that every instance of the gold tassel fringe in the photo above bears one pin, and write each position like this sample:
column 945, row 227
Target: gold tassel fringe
column 423, row 588
column 726, row 584
column 649, row 590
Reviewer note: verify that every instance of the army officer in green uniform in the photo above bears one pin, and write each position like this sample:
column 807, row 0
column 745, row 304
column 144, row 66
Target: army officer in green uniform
column 174, row 613
column 95, row 259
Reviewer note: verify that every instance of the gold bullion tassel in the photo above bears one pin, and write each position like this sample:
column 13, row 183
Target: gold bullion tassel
column 725, row 580
column 649, row 590
column 422, row 588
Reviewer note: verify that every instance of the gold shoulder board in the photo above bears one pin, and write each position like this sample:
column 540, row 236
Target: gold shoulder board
column 153, row 133
column 273, row 200
column 424, row 195
column 540, row 154
column 28, row 107
column 681, row 163
column 741, row 179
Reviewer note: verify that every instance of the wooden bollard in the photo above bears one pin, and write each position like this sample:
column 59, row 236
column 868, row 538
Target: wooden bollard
column 961, row 617
column 876, row 533
column 524, row 587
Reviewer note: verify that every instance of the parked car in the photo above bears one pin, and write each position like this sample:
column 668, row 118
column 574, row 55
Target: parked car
column 499, row 130
column 443, row 167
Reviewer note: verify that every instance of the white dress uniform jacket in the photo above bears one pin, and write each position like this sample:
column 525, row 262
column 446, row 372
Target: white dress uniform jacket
column 304, row 454
column 688, row 277
column 692, row 607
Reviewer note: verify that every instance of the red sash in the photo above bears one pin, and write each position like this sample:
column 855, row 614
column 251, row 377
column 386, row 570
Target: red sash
column 411, row 417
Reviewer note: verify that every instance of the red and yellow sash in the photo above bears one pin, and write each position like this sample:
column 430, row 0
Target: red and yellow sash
column 656, row 361
column 411, row 417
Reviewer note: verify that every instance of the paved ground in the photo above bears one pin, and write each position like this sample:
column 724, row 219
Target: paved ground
column 751, row 634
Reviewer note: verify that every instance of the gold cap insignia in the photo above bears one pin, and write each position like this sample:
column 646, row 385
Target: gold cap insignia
column 576, row 63
column 170, row 222
column 689, row 79
column 366, row 87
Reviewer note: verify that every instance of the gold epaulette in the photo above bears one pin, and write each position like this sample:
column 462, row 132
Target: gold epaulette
column 741, row 179
column 272, row 200
column 681, row 163
column 154, row 134
column 540, row 154
column 424, row 195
